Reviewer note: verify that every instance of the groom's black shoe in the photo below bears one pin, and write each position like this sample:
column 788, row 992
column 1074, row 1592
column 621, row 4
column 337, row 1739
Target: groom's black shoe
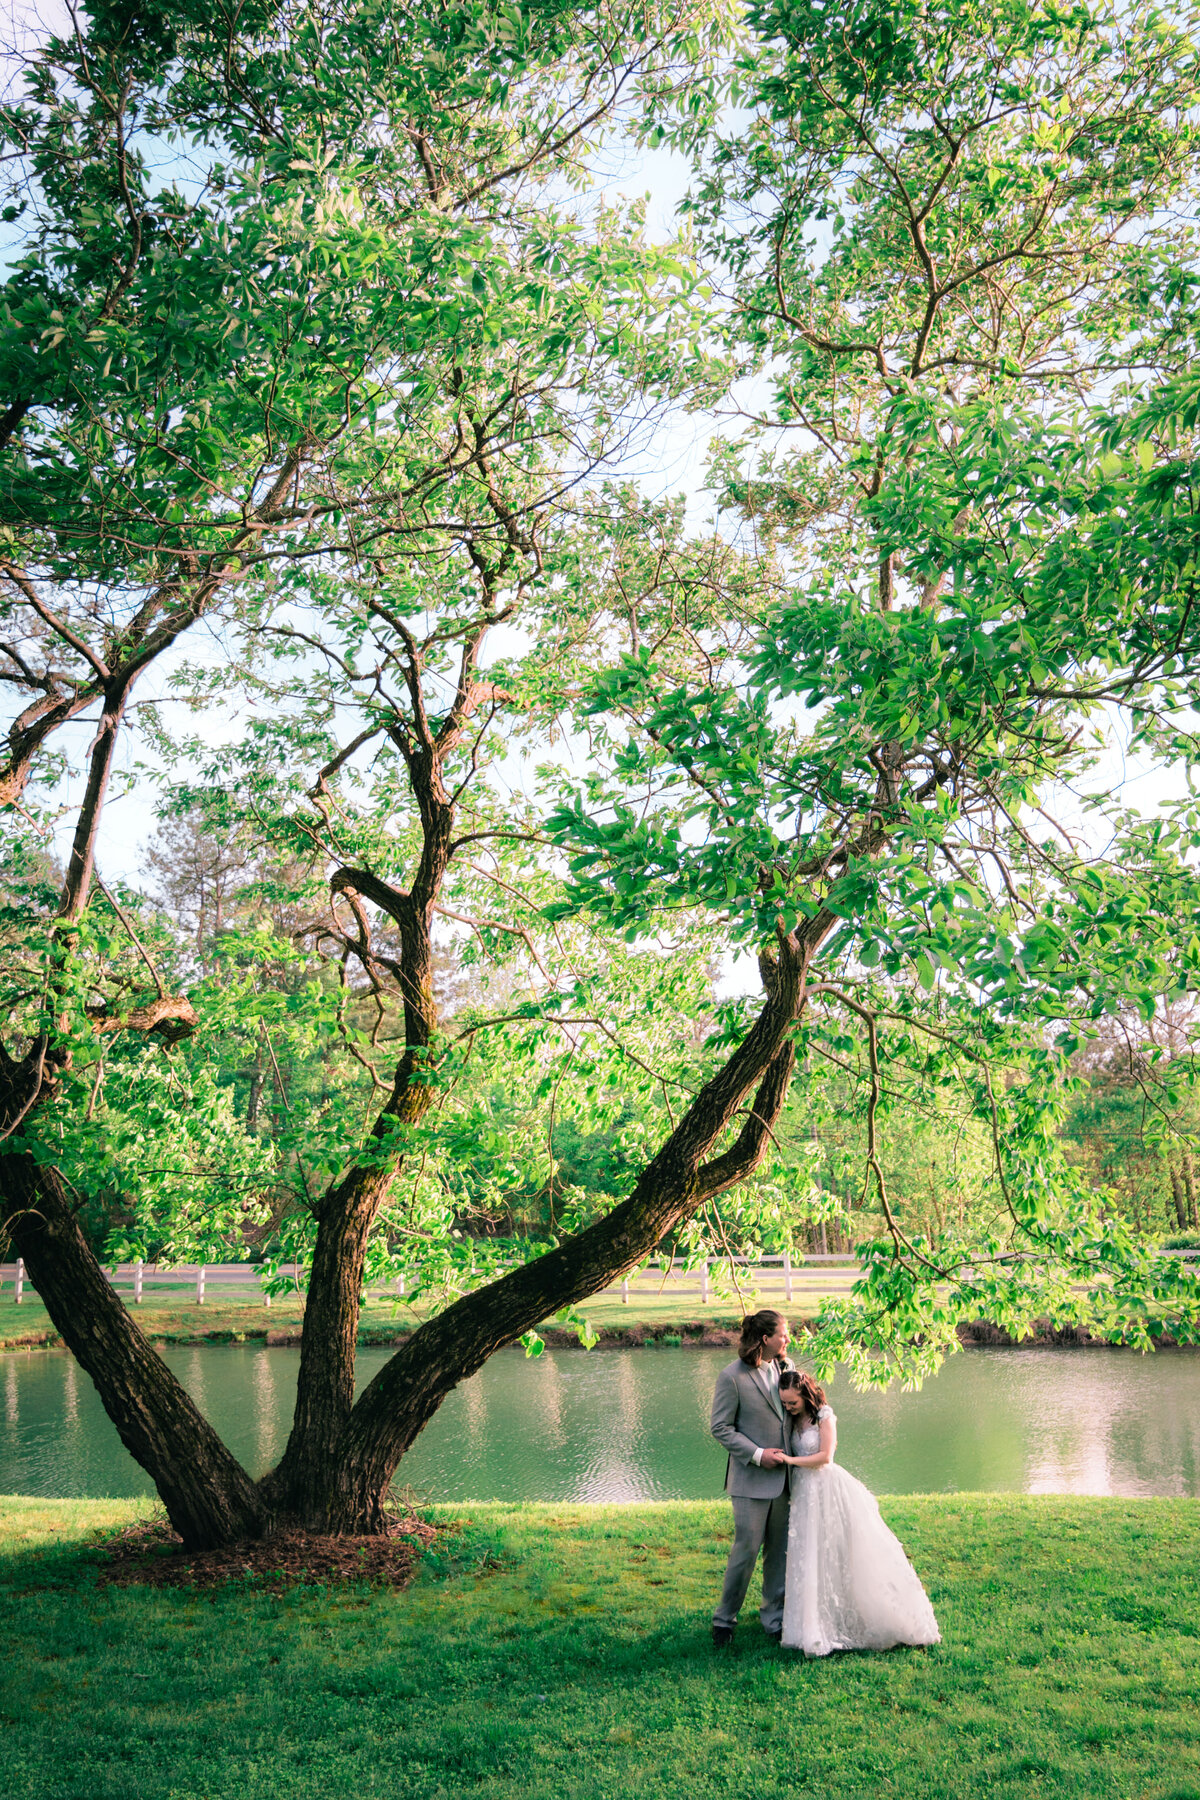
column 722, row 1634
column 776, row 1637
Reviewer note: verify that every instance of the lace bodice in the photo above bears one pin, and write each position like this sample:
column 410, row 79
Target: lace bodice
column 809, row 1441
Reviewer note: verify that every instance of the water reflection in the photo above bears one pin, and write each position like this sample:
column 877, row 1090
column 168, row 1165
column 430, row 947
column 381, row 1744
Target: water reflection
column 266, row 1405
column 475, row 1408
column 633, row 1424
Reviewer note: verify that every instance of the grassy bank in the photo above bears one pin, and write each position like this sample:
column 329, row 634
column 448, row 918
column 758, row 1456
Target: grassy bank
column 562, row 1653
column 243, row 1319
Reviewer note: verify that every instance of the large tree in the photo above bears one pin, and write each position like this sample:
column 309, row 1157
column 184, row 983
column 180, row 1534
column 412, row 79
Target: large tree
column 331, row 395
column 366, row 329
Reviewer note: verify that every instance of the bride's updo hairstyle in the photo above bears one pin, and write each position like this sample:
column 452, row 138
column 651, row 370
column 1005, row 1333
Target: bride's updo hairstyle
column 812, row 1395
column 758, row 1326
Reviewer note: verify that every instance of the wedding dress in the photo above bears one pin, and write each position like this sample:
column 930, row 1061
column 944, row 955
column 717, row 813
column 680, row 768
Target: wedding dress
column 849, row 1584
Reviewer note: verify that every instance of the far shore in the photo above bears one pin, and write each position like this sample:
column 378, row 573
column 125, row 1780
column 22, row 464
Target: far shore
column 28, row 1327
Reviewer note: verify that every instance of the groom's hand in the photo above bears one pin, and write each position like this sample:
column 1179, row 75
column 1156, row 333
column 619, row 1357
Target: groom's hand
column 772, row 1459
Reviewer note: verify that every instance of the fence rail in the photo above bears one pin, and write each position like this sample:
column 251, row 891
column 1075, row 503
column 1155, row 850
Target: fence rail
column 777, row 1275
column 201, row 1282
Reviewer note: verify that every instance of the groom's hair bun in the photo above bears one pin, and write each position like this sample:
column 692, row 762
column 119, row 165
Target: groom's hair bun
column 758, row 1326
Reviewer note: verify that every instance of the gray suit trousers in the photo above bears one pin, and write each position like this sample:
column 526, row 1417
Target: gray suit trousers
column 757, row 1525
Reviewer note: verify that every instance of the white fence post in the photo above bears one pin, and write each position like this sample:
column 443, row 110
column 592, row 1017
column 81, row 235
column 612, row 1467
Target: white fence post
column 671, row 1275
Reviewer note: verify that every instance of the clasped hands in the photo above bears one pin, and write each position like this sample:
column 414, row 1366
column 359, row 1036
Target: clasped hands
column 775, row 1459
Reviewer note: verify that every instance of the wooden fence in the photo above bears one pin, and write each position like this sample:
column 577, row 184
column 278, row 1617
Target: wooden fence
column 778, row 1276
column 768, row 1277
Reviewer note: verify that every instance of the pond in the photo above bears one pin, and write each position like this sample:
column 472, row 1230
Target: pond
column 633, row 1424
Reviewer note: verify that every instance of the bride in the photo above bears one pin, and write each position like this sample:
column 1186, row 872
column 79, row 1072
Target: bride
column 849, row 1584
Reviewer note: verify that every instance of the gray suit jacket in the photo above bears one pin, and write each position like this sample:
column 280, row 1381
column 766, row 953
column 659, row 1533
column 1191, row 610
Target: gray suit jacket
column 743, row 1421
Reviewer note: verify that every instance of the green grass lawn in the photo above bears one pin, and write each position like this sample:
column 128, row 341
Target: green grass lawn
column 562, row 1653
column 174, row 1321
column 180, row 1320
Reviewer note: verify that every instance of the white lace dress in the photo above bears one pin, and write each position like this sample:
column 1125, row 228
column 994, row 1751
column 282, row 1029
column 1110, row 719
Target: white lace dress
column 849, row 1584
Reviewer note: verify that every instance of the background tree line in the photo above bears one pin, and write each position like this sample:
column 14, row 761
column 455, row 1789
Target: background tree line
column 509, row 1170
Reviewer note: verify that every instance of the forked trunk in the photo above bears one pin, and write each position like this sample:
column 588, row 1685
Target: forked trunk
column 302, row 1484
column 209, row 1497
column 408, row 1390
column 325, row 1386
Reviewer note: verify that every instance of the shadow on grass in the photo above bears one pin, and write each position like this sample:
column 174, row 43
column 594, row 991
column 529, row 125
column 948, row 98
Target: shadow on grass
column 564, row 1654
column 73, row 1565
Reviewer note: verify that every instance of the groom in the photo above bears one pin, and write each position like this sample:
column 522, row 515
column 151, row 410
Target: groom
column 750, row 1418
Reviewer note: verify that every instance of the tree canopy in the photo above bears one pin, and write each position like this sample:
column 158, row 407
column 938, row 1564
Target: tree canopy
column 485, row 774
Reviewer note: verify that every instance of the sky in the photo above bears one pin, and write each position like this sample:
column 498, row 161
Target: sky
column 23, row 24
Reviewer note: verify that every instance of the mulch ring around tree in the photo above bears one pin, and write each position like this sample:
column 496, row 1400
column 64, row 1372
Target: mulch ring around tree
column 152, row 1555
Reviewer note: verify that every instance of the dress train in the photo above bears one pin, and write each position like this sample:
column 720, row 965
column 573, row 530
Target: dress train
column 849, row 1584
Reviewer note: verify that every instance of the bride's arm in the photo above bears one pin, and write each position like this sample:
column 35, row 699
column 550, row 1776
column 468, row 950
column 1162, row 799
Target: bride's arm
column 824, row 1455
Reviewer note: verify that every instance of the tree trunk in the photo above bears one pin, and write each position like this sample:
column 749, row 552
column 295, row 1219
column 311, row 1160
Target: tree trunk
column 254, row 1099
column 302, row 1483
column 407, row 1392
column 1177, row 1196
column 209, row 1497
column 328, row 1344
